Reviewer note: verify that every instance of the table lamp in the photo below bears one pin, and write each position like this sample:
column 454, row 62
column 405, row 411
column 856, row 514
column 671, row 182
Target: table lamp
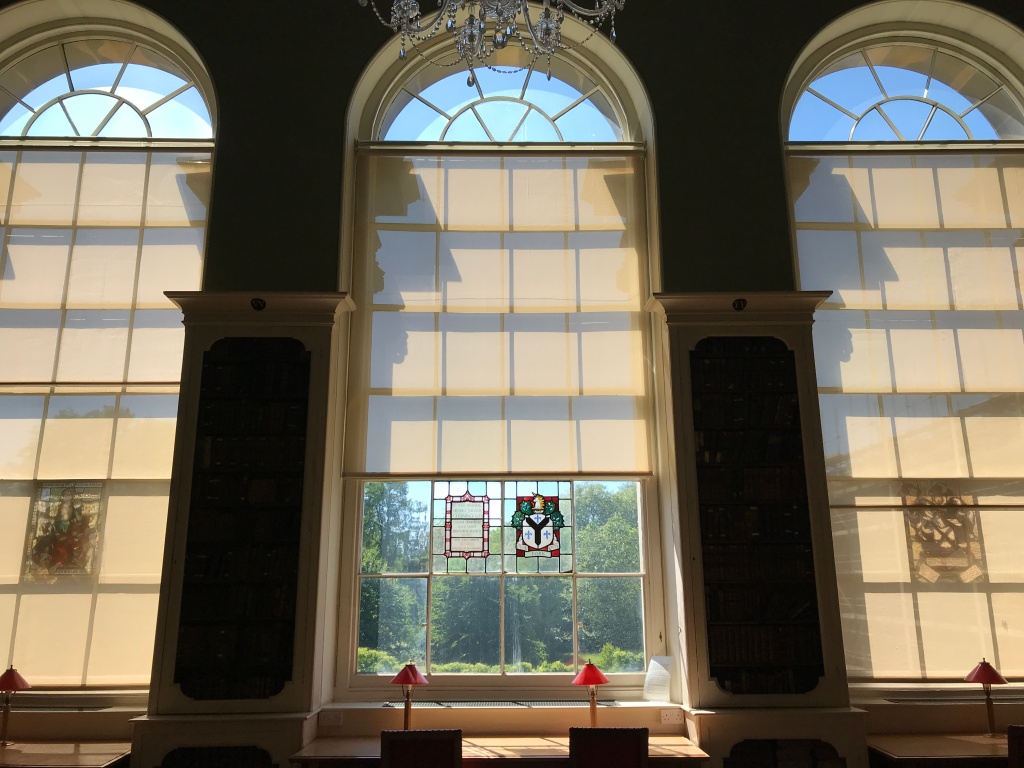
column 10, row 683
column 407, row 678
column 987, row 675
column 591, row 677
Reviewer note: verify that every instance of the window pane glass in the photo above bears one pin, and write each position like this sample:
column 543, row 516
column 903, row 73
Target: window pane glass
column 15, row 499
column 607, row 527
column 45, row 186
column 884, row 86
column 392, row 619
column 179, row 190
column 35, row 267
column 93, row 346
column 29, row 339
column 113, row 184
column 38, row 78
column 464, row 624
column 133, row 534
column 144, row 436
column 538, row 625
column 95, row 63
column 103, row 268
column 610, row 617
column 395, row 527
column 122, row 632
column 21, row 417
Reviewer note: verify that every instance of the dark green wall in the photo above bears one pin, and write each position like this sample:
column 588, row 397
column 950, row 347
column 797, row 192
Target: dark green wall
column 715, row 71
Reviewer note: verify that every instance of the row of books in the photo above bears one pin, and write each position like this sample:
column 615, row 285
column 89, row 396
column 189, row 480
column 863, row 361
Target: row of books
column 734, row 446
column 207, row 686
column 764, row 523
column 283, row 453
column 753, row 605
column 768, row 680
column 743, row 346
column 227, row 526
column 773, row 564
column 745, row 410
column 743, row 374
column 258, row 563
column 738, row 645
column 724, row 484
column 230, row 489
column 252, row 416
column 238, row 602
column 265, row 378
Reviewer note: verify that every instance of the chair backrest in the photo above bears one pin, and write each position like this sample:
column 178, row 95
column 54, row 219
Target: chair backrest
column 1015, row 746
column 603, row 747
column 421, row 749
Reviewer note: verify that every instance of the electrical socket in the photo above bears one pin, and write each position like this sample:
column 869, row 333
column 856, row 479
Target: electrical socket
column 672, row 716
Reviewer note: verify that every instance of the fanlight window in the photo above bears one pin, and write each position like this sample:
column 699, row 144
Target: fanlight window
column 96, row 223
column 102, row 89
column 507, row 103
column 905, row 93
column 919, row 353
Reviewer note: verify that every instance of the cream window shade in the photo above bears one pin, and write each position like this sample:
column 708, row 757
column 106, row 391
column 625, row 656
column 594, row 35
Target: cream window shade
column 920, row 364
column 499, row 314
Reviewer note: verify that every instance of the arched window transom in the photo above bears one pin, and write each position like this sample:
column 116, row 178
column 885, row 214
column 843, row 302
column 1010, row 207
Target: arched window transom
column 506, row 103
column 101, row 88
column 905, row 92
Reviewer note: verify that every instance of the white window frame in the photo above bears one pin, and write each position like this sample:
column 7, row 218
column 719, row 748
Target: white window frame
column 381, row 82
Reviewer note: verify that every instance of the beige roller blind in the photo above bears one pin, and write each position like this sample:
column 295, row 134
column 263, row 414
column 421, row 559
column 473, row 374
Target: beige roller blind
column 499, row 315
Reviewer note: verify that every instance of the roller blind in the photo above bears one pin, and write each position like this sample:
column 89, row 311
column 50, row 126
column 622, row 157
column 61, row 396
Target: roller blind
column 499, row 314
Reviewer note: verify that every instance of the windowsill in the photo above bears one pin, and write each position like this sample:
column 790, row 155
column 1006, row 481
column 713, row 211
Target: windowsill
column 512, row 717
column 935, row 707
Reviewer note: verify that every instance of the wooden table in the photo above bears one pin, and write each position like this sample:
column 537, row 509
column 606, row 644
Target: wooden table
column 66, row 754
column 487, row 751
column 937, row 750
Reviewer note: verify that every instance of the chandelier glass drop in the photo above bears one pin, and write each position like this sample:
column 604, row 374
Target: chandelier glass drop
column 478, row 28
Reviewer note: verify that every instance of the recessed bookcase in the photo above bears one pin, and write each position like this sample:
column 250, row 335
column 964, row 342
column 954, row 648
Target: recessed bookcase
column 755, row 534
column 760, row 599
column 235, row 635
column 245, row 598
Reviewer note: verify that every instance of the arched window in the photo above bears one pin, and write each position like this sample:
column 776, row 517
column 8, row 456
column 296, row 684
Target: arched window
column 498, row 447
column 905, row 171
column 104, row 184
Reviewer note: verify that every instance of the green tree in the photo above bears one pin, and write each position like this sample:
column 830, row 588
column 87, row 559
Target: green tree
column 395, row 530
column 607, row 528
column 538, row 622
column 609, row 610
column 392, row 612
column 464, row 620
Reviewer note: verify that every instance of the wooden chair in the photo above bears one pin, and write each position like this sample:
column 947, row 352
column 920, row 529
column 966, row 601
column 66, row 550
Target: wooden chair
column 421, row 749
column 1015, row 746
column 601, row 747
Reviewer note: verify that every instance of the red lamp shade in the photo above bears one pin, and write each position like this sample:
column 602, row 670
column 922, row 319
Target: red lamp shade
column 11, row 681
column 409, row 676
column 590, row 675
column 985, row 674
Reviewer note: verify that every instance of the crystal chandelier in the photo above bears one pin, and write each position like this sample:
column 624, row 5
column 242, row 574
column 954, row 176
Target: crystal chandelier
column 478, row 28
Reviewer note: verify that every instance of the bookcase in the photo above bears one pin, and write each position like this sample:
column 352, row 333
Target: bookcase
column 235, row 634
column 761, row 644
column 246, row 594
column 760, row 599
